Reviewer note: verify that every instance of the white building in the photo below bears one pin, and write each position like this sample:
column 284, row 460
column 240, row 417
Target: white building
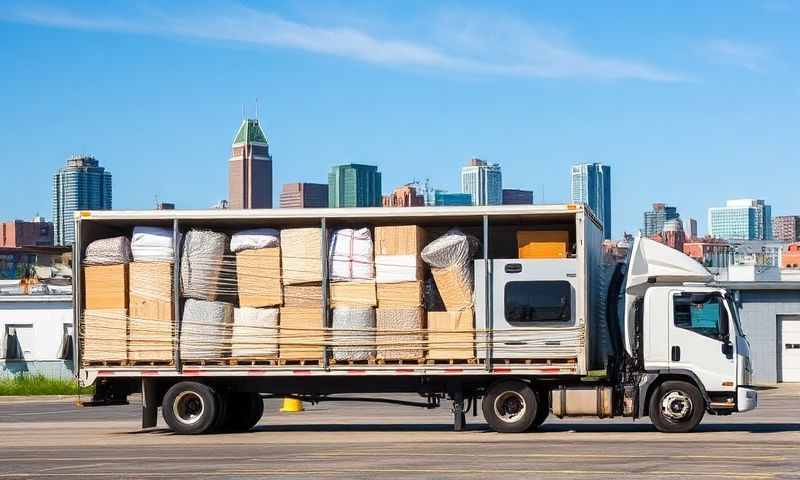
column 483, row 181
column 36, row 335
column 742, row 219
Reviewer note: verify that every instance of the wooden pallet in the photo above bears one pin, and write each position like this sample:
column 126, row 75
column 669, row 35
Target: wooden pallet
column 400, row 361
column 206, row 363
column 151, row 363
column 300, row 361
column 529, row 361
column 253, row 361
column 105, row 363
column 369, row 361
column 451, row 361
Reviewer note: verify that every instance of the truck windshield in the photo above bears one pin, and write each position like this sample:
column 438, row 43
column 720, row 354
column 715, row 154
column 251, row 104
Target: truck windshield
column 735, row 312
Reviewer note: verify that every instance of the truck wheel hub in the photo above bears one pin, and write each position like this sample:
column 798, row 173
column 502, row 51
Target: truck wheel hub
column 188, row 407
column 676, row 405
column 509, row 406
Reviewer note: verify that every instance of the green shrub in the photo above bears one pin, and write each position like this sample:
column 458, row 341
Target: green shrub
column 26, row 384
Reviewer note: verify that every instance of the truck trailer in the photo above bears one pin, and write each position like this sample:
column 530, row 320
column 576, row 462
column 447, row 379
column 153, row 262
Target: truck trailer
column 531, row 317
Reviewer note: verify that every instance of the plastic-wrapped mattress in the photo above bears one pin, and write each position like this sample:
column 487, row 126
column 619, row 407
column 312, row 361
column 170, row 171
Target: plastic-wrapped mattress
column 351, row 254
column 254, row 239
column 108, row 251
column 450, row 258
column 353, row 333
column 205, row 330
column 152, row 244
column 202, row 263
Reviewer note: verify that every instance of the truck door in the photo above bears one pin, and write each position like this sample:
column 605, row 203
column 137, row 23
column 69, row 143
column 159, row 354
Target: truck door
column 699, row 339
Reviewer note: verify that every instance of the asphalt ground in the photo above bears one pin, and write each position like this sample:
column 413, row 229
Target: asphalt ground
column 55, row 439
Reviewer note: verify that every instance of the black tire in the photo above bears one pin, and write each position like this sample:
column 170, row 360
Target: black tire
column 245, row 409
column 542, row 411
column 190, row 408
column 676, row 407
column 510, row 406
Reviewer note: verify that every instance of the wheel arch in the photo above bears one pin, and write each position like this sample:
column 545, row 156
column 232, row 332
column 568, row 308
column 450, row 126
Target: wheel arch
column 666, row 375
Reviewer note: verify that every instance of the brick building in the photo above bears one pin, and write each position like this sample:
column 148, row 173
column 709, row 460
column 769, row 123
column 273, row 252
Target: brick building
column 786, row 228
column 304, row 195
column 404, row 196
column 19, row 233
column 711, row 252
column 250, row 168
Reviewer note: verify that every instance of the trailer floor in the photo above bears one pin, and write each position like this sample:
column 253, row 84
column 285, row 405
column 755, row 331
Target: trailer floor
column 53, row 439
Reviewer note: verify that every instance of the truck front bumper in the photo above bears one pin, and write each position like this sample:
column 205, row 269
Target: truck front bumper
column 746, row 399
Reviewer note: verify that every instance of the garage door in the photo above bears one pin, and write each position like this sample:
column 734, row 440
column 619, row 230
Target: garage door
column 790, row 348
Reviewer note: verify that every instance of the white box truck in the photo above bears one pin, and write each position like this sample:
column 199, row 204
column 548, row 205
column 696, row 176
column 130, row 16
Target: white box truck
column 569, row 335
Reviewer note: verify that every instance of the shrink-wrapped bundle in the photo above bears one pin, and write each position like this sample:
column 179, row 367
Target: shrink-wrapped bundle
column 205, row 329
column 255, row 333
column 399, row 335
column 255, row 238
column 301, row 255
column 108, row 251
column 353, row 333
column 351, row 255
column 450, row 258
column 150, row 326
column 152, row 244
column 397, row 250
column 104, row 335
column 202, row 264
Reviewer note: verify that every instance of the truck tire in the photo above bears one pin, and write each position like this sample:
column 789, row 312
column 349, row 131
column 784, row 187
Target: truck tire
column 676, row 406
column 542, row 410
column 190, row 408
column 510, row 406
column 245, row 409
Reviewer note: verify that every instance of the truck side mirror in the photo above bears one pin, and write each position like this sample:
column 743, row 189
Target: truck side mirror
column 724, row 323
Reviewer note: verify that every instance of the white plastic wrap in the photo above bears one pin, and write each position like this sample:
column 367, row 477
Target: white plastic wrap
column 353, row 333
column 152, row 244
column 350, row 255
column 108, row 251
column 395, row 268
column 451, row 249
column 205, row 329
column 255, row 238
column 255, row 332
column 202, row 263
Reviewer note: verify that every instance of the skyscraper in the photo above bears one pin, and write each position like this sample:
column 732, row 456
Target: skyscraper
column 591, row 184
column 483, row 181
column 354, row 185
column 742, row 219
column 80, row 185
column 655, row 219
column 304, row 195
column 786, row 228
column 250, row 168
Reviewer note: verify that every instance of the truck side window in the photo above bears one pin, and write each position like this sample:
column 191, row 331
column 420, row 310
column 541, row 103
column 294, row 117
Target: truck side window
column 538, row 302
column 703, row 318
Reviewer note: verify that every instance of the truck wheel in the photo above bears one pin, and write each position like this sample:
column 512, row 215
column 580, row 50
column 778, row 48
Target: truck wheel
column 245, row 409
column 676, row 407
column 510, row 406
column 190, row 408
column 543, row 410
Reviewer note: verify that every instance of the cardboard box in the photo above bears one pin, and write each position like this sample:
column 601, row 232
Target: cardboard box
column 397, row 250
column 400, row 295
column 399, row 334
column 105, row 287
column 301, row 260
column 258, row 277
column 301, row 336
column 105, row 335
column 543, row 243
column 307, row 295
column 151, row 312
column 455, row 287
column 451, row 335
column 356, row 294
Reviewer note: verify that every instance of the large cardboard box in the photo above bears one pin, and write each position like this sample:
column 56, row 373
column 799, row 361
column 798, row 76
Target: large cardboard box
column 543, row 243
column 397, row 251
column 307, row 295
column 301, row 334
column 354, row 294
column 455, row 286
column 451, row 335
column 105, row 287
column 105, row 335
column 258, row 277
column 399, row 333
column 151, row 312
column 400, row 295
column 301, row 255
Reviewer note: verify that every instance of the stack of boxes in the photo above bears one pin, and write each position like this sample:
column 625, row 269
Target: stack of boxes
column 105, row 316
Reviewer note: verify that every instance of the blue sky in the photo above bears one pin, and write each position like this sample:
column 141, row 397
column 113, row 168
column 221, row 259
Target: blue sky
column 690, row 103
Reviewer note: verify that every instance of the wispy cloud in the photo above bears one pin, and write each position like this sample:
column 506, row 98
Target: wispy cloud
column 534, row 54
column 738, row 54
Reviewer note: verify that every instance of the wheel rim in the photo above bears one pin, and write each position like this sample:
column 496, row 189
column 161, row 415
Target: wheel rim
column 676, row 406
column 188, row 407
column 510, row 406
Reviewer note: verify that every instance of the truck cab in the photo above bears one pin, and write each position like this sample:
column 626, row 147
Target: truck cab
column 684, row 335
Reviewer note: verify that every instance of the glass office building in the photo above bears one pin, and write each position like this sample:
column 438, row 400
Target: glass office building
column 80, row 185
column 591, row 184
column 742, row 219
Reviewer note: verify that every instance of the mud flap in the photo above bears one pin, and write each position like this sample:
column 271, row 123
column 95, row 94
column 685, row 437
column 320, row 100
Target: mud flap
column 149, row 403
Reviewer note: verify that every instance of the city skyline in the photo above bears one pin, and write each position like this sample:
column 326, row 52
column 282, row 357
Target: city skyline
column 384, row 107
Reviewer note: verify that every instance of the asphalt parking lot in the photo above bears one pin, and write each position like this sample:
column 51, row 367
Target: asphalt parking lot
column 55, row 439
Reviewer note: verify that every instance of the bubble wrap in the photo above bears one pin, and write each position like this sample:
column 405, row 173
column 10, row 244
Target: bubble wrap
column 205, row 329
column 453, row 248
column 394, row 345
column 108, row 251
column 255, row 332
column 353, row 333
column 202, row 263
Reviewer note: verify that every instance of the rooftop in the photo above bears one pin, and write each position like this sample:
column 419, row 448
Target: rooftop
column 250, row 131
